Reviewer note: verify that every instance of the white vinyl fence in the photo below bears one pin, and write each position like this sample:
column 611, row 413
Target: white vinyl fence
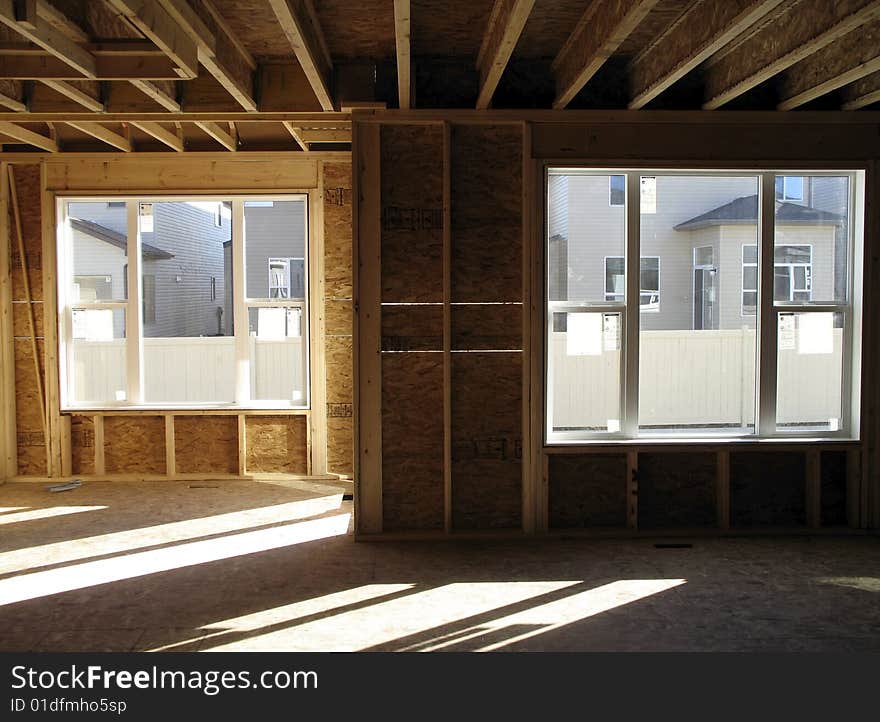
column 190, row 370
column 693, row 378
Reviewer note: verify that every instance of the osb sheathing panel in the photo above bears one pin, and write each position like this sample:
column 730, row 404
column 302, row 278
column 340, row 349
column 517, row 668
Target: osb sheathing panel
column 337, row 230
column 21, row 322
column 82, row 444
column 495, row 326
column 338, row 350
column 412, row 328
column 767, row 489
column 486, row 213
column 412, row 441
column 833, row 473
column 276, row 444
column 412, row 213
column 28, row 412
column 134, row 444
column 486, row 440
column 337, row 317
column 587, row 491
column 206, row 444
column 340, row 439
column 677, row 490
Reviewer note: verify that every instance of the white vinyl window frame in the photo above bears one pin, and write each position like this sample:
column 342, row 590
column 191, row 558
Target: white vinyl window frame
column 767, row 320
column 132, row 305
column 652, row 306
column 785, row 194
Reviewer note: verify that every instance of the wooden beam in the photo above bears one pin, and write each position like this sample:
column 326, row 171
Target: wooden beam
column 151, row 90
column 506, row 23
column 61, row 22
column 862, row 93
column 599, row 32
column 170, row 139
column 96, row 130
column 113, row 61
column 50, row 39
column 325, row 135
column 151, row 18
column 217, row 52
column 75, row 94
column 7, row 101
column 297, row 19
column 28, row 136
column 850, row 58
column 227, row 30
column 401, row 41
column 801, row 30
column 703, row 30
column 218, row 134
column 294, row 131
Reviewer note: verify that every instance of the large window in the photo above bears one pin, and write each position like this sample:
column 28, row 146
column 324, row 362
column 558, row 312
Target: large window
column 169, row 302
column 760, row 312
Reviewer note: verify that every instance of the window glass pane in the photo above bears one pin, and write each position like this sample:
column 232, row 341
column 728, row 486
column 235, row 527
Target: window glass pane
column 186, row 260
column 275, row 245
column 697, row 350
column 97, row 356
column 584, row 374
column 617, row 190
column 278, row 354
column 583, row 230
column 99, row 240
column 812, row 239
column 809, row 374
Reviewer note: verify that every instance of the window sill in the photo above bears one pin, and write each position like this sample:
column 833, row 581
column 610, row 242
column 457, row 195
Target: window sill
column 568, row 447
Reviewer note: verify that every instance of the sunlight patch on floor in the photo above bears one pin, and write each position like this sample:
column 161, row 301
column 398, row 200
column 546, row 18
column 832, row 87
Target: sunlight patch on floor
column 13, row 516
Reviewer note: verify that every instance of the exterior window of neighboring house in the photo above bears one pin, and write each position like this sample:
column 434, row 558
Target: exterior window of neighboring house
column 616, row 190
column 789, row 188
column 792, row 275
column 649, row 281
column 760, row 314
column 219, row 318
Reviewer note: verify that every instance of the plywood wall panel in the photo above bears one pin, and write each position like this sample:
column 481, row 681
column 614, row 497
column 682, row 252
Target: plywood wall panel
column 134, row 444
column 21, row 327
column 767, row 489
column 28, row 411
column 276, row 444
column 587, row 491
column 412, row 441
column 486, row 440
column 339, row 369
column 677, row 490
column 486, row 213
column 412, row 213
column 82, row 445
column 206, row 444
column 412, row 328
column 337, row 317
column 493, row 326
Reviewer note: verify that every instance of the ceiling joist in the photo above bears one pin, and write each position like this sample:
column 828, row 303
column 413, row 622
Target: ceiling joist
column 862, row 93
column 119, row 61
column 7, row 101
column 164, row 98
column 160, row 133
column 801, row 30
column 506, row 23
column 75, row 94
column 703, row 30
column 96, row 130
column 24, row 135
column 299, row 23
column 151, row 19
column 223, row 137
column 402, row 49
column 41, row 33
column 846, row 60
column 600, row 31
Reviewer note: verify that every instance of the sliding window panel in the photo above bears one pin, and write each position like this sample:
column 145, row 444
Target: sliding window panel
column 96, row 356
column 697, row 304
column 186, row 301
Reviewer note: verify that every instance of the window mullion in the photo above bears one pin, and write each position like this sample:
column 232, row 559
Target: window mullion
column 239, row 307
column 632, row 265
column 767, row 320
column 134, row 326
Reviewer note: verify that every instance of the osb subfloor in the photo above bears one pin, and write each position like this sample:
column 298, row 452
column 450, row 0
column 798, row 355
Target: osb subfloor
column 272, row 566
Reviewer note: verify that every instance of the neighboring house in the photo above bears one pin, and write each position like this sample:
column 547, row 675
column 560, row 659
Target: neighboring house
column 698, row 246
column 187, row 265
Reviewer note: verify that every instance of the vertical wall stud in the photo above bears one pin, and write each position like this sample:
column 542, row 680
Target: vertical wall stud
column 447, row 327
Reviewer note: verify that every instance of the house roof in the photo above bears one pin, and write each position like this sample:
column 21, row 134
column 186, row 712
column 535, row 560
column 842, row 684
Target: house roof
column 108, row 235
column 744, row 211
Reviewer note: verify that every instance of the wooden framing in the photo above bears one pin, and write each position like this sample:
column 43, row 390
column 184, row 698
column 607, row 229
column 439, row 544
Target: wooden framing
column 800, row 31
column 96, row 130
column 8, row 442
column 317, row 331
column 447, row 327
column 705, row 29
column 28, row 136
column 15, row 104
column 402, row 45
column 75, row 94
column 223, row 137
column 506, row 23
column 599, row 32
column 160, row 133
column 299, row 23
column 151, row 90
